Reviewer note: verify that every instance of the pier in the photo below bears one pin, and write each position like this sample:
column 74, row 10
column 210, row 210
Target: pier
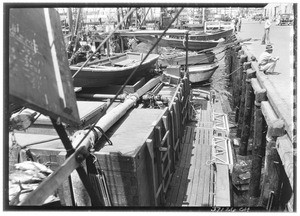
column 266, row 101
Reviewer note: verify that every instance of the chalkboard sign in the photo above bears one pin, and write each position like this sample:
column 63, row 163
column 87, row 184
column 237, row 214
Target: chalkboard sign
column 39, row 74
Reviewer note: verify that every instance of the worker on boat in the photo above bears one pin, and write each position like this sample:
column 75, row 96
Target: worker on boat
column 266, row 61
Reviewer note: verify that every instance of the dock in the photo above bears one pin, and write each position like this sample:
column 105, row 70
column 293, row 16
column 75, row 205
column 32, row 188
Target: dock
column 199, row 179
column 272, row 99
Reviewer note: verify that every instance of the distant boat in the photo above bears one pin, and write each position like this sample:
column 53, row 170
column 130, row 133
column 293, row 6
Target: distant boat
column 200, row 73
column 112, row 70
column 197, row 58
column 193, row 45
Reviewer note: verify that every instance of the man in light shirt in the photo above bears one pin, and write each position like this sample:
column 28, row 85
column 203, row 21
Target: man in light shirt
column 266, row 37
column 266, row 61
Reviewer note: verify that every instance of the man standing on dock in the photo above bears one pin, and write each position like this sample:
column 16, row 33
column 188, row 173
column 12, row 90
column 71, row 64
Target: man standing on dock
column 266, row 37
column 266, row 61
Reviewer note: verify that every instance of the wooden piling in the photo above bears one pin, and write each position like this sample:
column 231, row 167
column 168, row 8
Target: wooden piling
column 243, row 59
column 238, row 82
column 272, row 178
column 239, row 117
column 249, row 102
column 235, row 76
column 258, row 144
column 228, row 60
column 233, row 66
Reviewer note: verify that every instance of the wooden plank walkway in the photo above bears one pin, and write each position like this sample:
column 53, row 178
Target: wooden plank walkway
column 191, row 184
column 199, row 179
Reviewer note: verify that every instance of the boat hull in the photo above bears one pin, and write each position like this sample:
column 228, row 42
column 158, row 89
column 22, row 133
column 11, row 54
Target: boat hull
column 193, row 45
column 115, row 74
column 211, row 36
column 202, row 58
column 200, row 73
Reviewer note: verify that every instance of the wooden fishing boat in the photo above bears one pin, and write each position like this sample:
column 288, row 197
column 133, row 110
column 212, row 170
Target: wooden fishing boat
column 112, row 70
column 200, row 73
column 193, row 45
column 210, row 35
column 195, row 58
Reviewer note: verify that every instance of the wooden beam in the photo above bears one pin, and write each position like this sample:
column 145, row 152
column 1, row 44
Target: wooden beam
column 260, row 93
column 286, row 153
column 275, row 125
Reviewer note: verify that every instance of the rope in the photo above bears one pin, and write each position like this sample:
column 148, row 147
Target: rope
column 225, row 75
column 105, row 136
column 41, row 142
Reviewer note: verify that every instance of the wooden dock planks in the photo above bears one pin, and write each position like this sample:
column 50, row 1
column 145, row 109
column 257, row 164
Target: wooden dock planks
column 197, row 182
column 190, row 185
column 222, row 186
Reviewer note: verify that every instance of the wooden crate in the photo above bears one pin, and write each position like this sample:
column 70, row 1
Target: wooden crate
column 138, row 166
column 127, row 163
column 89, row 112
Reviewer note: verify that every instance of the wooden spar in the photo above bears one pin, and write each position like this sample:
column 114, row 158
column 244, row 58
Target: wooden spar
column 76, row 28
column 118, row 16
column 100, row 96
column 203, row 18
column 70, row 20
column 272, row 178
column 258, row 143
column 249, row 102
column 145, row 15
column 104, row 41
column 56, row 179
column 115, row 114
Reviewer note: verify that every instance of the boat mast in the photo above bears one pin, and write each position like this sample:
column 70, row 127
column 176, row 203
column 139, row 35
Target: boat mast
column 70, row 21
column 203, row 15
column 76, row 27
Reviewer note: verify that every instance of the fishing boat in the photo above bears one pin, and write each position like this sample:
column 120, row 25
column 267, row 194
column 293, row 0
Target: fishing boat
column 193, row 45
column 193, row 58
column 112, row 70
column 200, row 73
column 210, row 35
